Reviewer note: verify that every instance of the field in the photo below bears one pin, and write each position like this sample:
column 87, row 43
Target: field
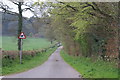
column 92, row 69
column 10, row 43
column 35, row 52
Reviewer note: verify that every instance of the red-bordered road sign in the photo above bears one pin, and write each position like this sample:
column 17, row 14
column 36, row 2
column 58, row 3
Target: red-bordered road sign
column 22, row 36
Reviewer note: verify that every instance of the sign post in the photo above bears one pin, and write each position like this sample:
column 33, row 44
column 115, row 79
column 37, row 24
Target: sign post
column 21, row 36
column 21, row 52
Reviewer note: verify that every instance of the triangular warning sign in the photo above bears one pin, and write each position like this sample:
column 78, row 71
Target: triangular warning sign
column 22, row 36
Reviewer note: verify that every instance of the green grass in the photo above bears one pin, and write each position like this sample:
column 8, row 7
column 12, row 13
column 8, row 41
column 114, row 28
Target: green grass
column 91, row 69
column 0, row 71
column 15, row 67
column 10, row 43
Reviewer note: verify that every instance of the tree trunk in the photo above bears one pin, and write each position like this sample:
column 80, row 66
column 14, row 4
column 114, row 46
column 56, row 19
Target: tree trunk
column 119, row 29
column 19, row 24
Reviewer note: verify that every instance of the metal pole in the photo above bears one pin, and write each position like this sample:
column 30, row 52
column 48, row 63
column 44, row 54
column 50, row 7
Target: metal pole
column 21, row 52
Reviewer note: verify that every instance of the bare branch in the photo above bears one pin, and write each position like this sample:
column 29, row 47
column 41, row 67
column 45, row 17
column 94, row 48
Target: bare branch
column 25, row 9
column 4, row 7
column 14, row 2
column 74, row 8
column 101, row 12
column 96, row 8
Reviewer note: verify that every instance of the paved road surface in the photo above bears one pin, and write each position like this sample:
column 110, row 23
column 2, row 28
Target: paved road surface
column 54, row 67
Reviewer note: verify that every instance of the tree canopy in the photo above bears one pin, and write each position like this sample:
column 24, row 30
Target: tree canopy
column 86, row 28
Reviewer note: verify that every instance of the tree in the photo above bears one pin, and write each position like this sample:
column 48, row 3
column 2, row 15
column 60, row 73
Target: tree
column 7, row 9
column 20, row 20
column 92, row 25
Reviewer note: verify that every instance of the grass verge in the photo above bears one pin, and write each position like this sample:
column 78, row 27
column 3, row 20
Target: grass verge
column 91, row 69
column 29, row 63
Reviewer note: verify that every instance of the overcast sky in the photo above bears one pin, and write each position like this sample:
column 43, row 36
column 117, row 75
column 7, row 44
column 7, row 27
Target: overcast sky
column 30, row 14
column 14, row 7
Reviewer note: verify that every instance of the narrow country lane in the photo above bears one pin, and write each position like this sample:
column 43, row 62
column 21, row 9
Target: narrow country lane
column 54, row 67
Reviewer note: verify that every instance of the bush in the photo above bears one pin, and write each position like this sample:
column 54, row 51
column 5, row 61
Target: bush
column 10, row 58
